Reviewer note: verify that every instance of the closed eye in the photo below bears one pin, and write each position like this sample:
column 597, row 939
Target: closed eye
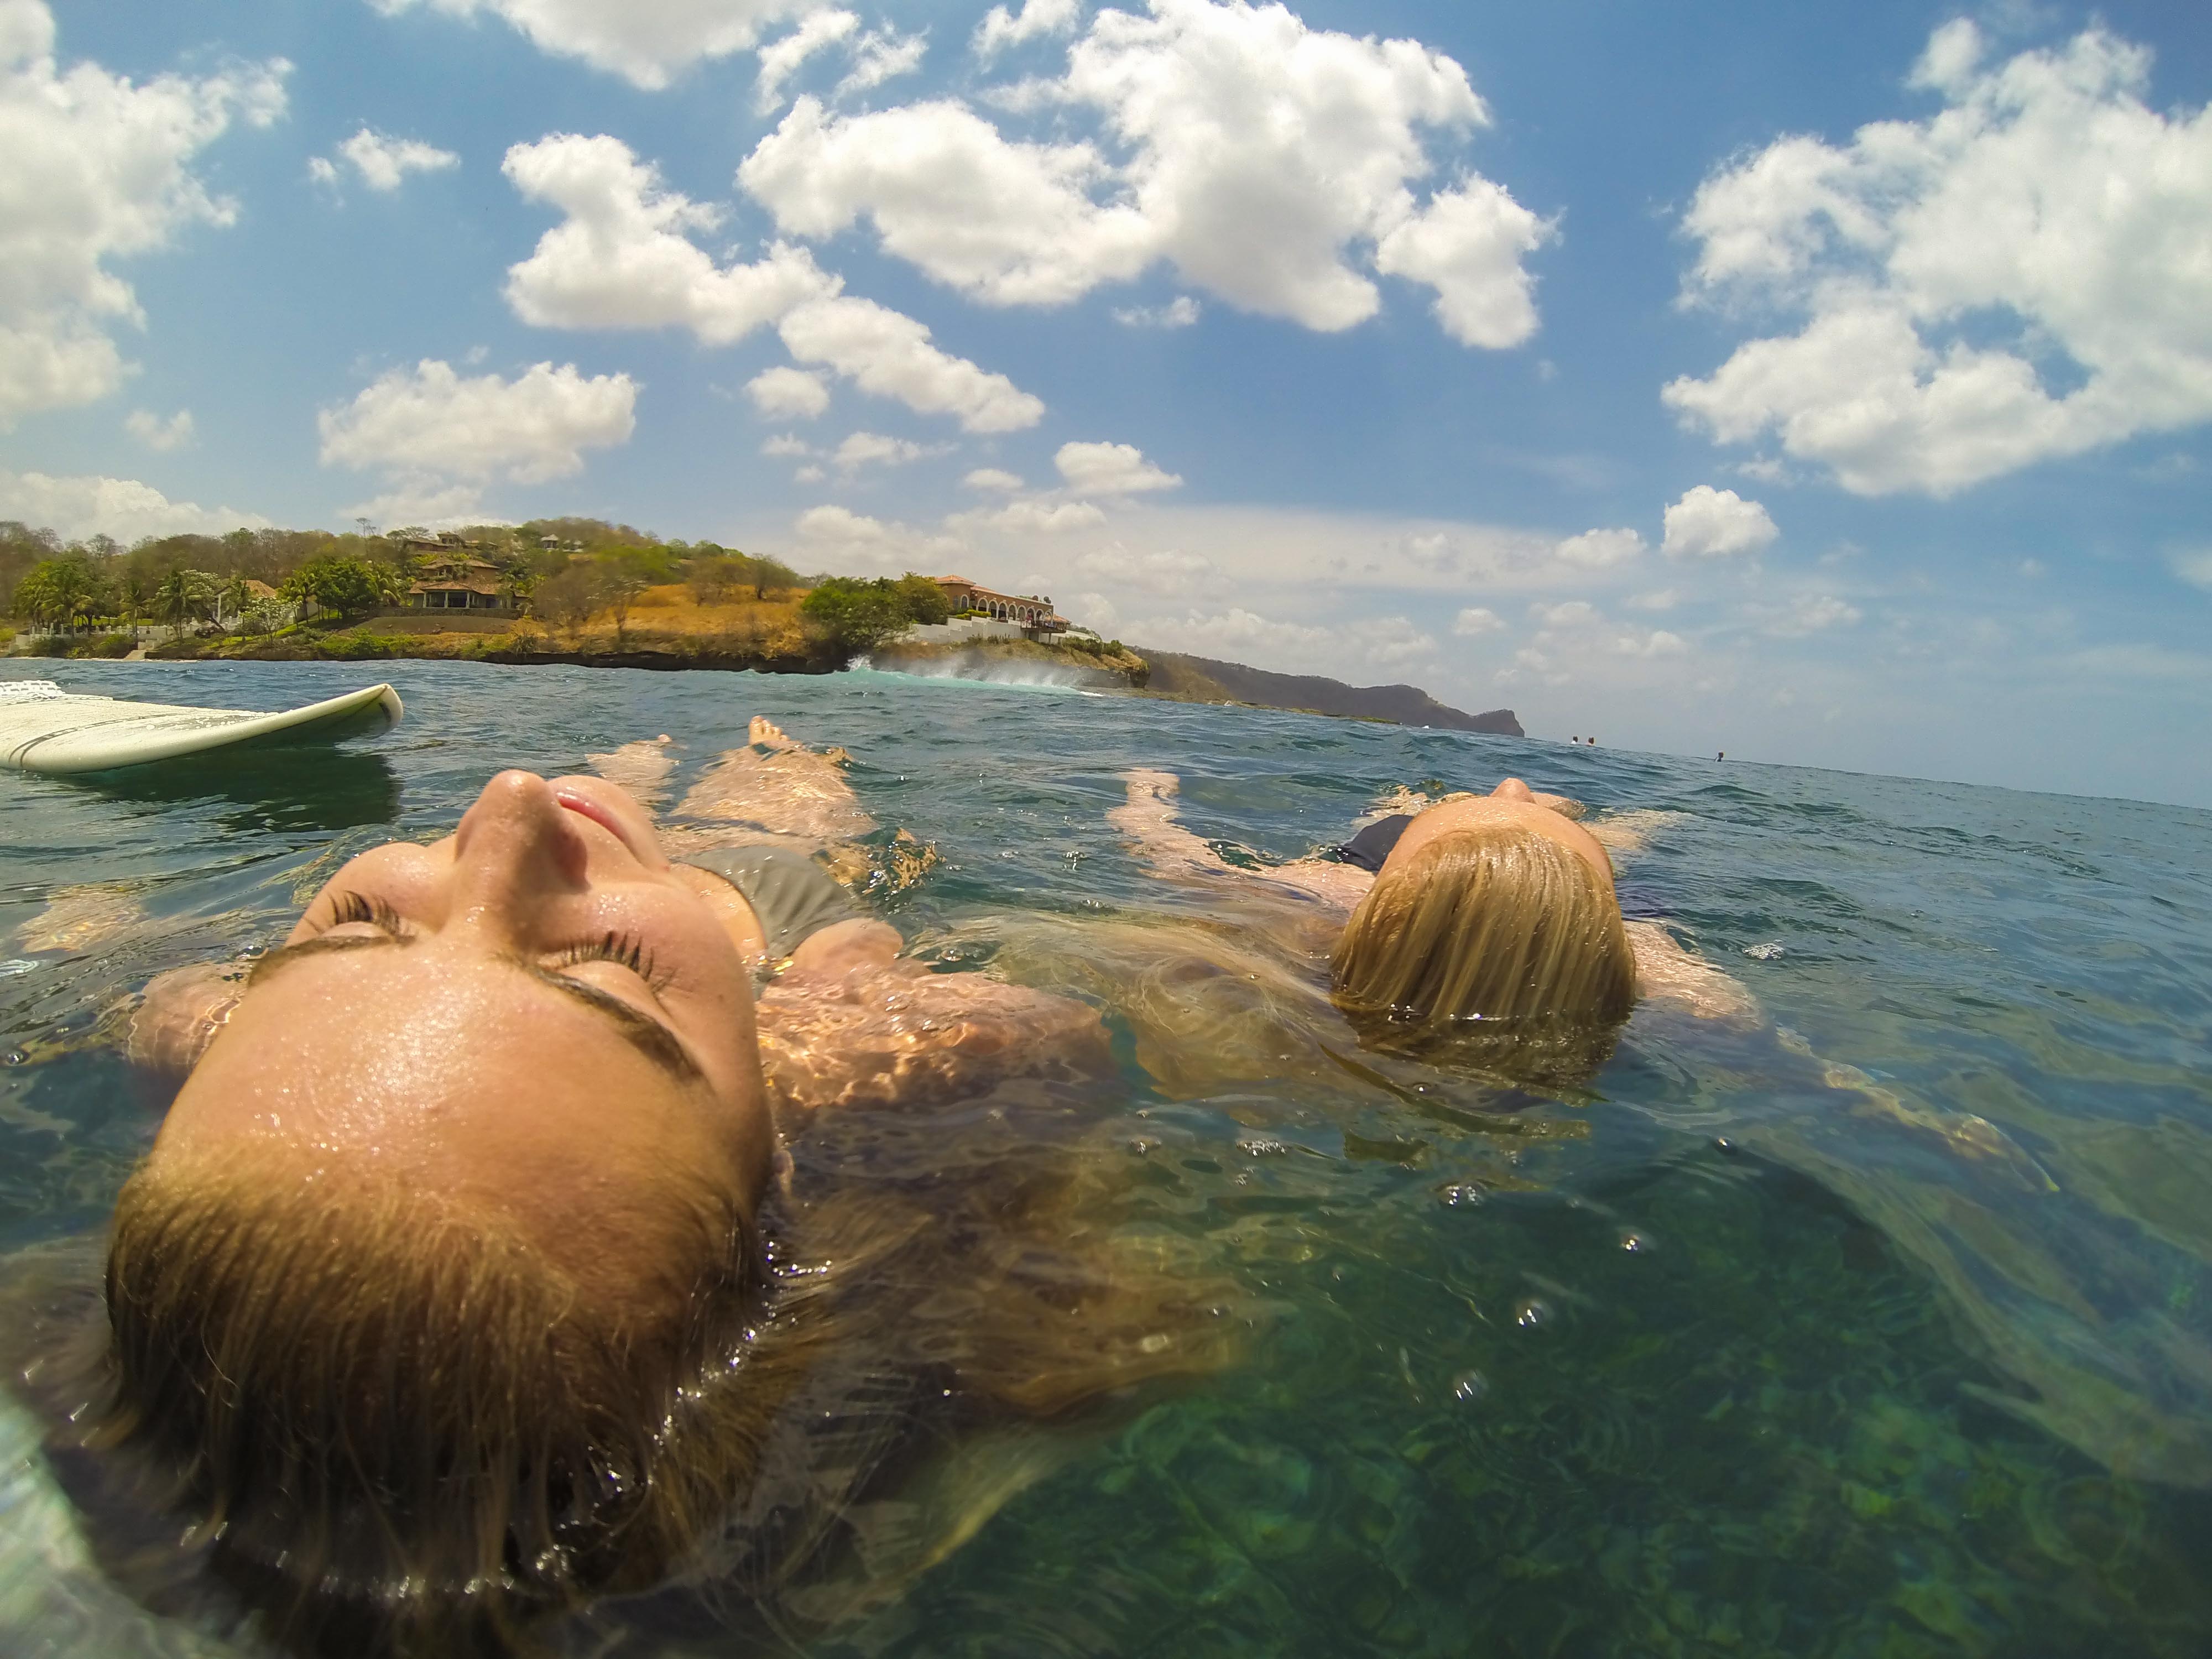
column 354, row 907
column 624, row 950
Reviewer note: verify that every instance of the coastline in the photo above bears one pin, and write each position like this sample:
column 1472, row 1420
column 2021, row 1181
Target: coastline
column 751, row 641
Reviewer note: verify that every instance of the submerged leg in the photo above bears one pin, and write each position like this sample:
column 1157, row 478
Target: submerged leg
column 641, row 768
column 781, row 788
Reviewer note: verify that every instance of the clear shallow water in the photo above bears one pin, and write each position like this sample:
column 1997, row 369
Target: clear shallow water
column 1716, row 1356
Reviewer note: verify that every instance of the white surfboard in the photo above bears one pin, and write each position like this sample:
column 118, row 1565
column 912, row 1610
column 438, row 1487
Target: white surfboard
column 44, row 728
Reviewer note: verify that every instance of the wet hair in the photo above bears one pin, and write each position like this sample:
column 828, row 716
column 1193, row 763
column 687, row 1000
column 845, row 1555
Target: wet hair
column 1491, row 930
column 397, row 1424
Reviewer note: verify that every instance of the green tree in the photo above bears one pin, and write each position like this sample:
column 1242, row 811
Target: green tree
column 352, row 587
column 924, row 599
column 63, row 593
column 856, row 616
column 766, row 572
column 184, row 594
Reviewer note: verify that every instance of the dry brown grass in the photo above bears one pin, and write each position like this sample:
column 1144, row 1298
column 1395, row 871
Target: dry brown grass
column 672, row 610
column 669, row 615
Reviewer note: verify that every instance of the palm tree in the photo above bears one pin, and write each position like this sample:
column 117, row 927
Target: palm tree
column 183, row 595
column 235, row 598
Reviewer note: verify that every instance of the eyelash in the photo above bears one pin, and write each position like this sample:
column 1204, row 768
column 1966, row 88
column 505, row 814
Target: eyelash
column 624, row 950
column 352, row 906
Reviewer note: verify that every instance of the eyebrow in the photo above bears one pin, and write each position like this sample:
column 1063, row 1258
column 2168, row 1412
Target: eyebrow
column 641, row 1030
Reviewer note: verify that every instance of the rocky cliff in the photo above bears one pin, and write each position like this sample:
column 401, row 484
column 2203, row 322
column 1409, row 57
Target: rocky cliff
column 1201, row 679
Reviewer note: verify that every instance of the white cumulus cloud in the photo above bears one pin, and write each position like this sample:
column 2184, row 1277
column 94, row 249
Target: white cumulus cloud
column 1178, row 313
column 1266, row 161
column 1032, row 518
column 1007, row 223
column 992, row 477
column 1467, row 244
column 882, row 55
column 838, row 533
column 647, row 42
column 2045, row 201
column 1601, row 549
column 158, row 435
column 888, row 354
column 623, row 258
column 383, row 162
column 1168, row 571
column 1573, row 613
column 1001, row 28
column 1714, row 524
column 102, row 169
column 1658, row 642
column 785, row 392
column 1813, row 614
column 780, row 59
column 1111, row 470
column 430, row 422
column 77, row 508
column 1475, row 621
column 864, row 449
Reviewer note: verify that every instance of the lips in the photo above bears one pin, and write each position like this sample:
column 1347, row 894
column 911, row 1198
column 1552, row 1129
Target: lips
column 584, row 806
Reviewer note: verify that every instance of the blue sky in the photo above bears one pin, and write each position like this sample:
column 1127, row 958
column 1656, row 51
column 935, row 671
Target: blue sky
column 1825, row 385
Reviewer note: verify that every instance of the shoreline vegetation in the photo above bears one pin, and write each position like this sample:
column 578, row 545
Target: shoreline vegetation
column 586, row 592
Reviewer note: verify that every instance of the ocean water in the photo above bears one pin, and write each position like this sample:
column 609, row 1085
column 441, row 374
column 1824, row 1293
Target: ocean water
column 1880, row 1327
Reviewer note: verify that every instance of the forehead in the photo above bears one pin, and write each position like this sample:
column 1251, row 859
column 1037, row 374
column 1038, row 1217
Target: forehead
column 464, row 1072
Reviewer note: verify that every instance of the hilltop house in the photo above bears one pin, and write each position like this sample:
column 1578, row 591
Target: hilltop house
column 460, row 584
column 1031, row 614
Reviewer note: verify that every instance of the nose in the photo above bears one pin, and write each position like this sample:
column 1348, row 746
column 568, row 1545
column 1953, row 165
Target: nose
column 1513, row 789
column 514, row 851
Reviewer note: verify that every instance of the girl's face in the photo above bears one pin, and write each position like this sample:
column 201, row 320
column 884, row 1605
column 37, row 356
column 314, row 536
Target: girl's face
column 534, row 1013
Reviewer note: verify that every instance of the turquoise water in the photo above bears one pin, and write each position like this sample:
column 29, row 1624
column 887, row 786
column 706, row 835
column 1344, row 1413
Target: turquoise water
column 1734, row 1352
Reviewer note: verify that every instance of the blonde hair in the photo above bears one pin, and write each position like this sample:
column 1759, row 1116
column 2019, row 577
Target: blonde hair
column 1493, row 925
column 401, row 1428
column 398, row 1420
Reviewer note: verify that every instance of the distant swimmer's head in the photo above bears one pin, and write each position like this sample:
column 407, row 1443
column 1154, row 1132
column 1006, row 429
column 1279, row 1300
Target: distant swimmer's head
column 415, row 1291
column 1493, row 917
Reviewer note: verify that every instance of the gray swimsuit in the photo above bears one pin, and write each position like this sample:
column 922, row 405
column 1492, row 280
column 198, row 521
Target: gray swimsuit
column 791, row 894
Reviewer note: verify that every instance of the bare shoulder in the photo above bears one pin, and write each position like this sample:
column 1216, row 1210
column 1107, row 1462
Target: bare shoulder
column 895, row 1034
column 1338, row 885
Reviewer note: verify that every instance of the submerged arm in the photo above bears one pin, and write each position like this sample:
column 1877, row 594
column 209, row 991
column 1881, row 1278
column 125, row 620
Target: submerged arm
column 1147, row 817
column 1665, row 972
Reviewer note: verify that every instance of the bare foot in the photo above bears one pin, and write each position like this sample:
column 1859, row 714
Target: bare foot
column 778, row 785
column 642, row 768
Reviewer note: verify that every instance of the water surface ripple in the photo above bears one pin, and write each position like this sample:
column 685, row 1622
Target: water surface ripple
column 1885, row 1328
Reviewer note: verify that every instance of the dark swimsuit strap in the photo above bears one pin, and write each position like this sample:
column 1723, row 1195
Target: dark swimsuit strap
column 1367, row 849
column 791, row 895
